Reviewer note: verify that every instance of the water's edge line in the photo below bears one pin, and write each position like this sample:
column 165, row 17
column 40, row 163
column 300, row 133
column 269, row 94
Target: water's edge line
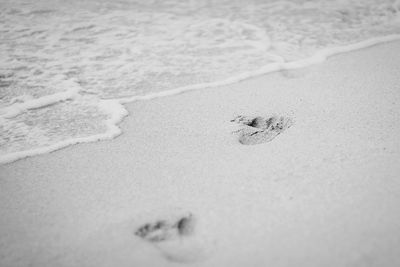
column 117, row 111
column 319, row 57
column 118, row 104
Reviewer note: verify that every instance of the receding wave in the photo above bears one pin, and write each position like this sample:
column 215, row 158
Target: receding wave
column 67, row 67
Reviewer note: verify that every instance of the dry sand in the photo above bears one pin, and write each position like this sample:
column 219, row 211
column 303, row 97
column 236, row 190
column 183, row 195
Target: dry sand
column 324, row 192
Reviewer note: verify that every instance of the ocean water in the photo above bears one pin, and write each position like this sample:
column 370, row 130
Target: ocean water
column 68, row 67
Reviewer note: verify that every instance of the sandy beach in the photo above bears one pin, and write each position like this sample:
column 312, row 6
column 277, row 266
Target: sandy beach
column 324, row 192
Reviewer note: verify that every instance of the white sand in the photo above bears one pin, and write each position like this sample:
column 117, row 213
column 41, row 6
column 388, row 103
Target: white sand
column 326, row 192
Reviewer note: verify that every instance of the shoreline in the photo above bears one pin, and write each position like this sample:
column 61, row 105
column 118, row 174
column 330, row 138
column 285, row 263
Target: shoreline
column 322, row 193
column 119, row 112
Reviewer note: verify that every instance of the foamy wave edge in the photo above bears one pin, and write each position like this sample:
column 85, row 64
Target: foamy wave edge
column 115, row 107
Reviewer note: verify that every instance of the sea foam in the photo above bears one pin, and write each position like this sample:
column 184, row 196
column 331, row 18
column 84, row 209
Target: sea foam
column 67, row 68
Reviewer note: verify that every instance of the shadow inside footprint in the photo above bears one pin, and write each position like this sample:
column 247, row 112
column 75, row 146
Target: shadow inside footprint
column 163, row 230
column 258, row 130
column 155, row 232
column 173, row 239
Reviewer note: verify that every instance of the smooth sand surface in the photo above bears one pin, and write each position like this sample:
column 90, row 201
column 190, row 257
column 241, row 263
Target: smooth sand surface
column 325, row 192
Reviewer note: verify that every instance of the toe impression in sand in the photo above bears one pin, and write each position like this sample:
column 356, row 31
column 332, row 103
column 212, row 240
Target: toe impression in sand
column 174, row 239
column 258, row 130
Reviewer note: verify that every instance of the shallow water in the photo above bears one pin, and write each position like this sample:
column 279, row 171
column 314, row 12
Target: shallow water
column 67, row 67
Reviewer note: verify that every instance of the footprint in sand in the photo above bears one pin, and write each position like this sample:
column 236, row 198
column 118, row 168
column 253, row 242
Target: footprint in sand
column 258, row 130
column 176, row 240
